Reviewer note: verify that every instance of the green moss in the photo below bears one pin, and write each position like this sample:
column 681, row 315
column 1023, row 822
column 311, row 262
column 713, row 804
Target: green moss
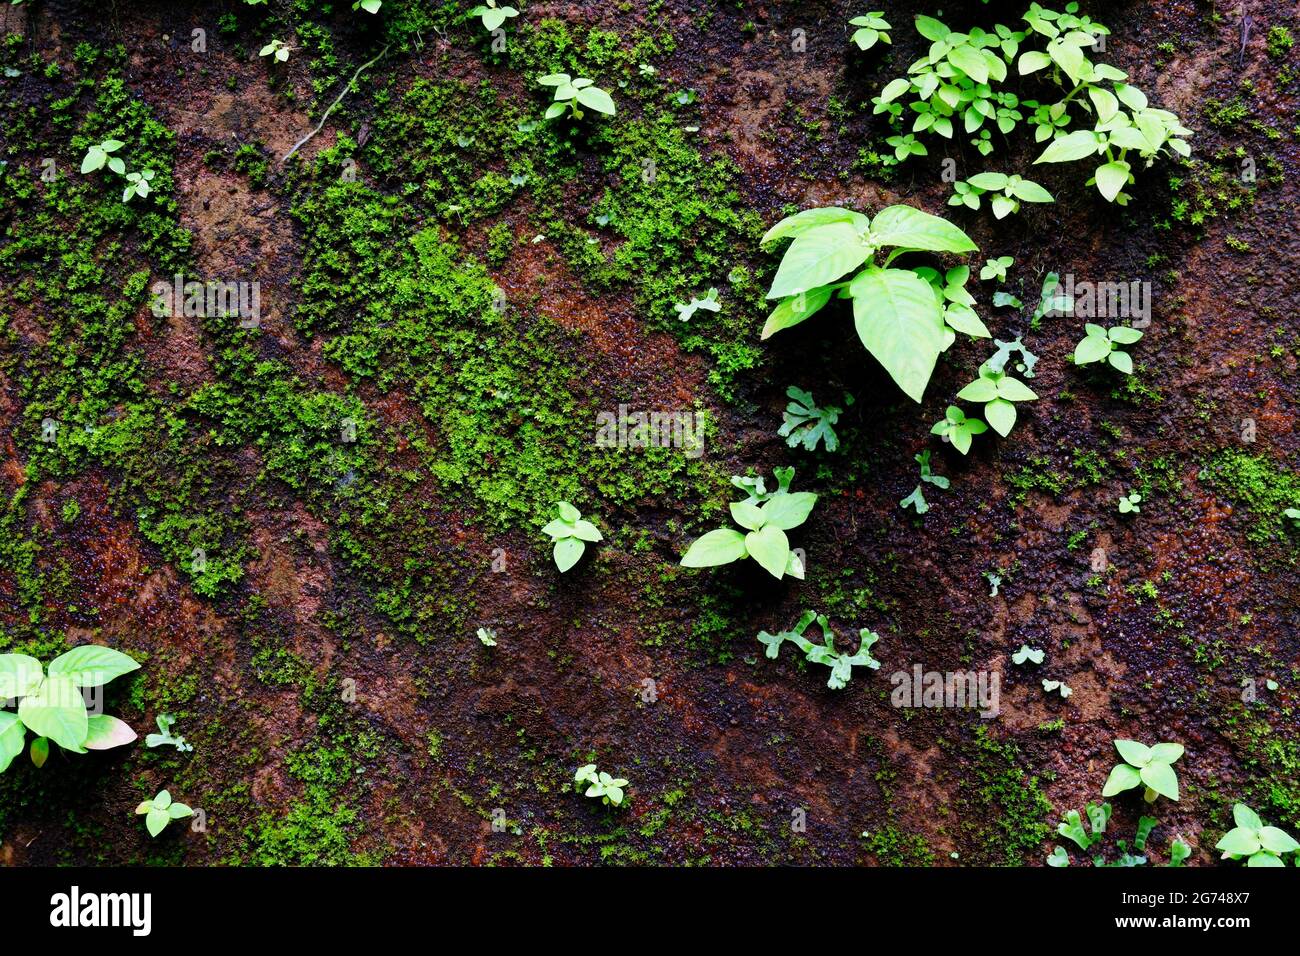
column 1265, row 487
column 1001, row 810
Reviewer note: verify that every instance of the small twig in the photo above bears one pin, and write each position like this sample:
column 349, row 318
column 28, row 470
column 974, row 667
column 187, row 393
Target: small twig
column 342, row 93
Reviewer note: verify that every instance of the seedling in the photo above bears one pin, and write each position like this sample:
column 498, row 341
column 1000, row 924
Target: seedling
column 915, row 500
column 900, row 317
column 278, row 49
column 999, row 391
column 804, row 422
column 996, row 269
column 1253, row 842
column 571, row 94
column 570, row 533
column 841, row 665
column 1060, row 686
column 492, row 15
column 1008, row 192
column 1071, row 828
column 958, row 429
column 164, row 737
column 609, row 790
column 871, row 30
column 99, row 156
column 50, row 704
column 487, row 637
column 1128, row 504
column 1292, row 513
column 1027, row 653
column 161, row 811
column 1148, row 766
column 995, row 582
column 1101, row 344
column 1050, row 301
column 766, row 518
column 709, row 303
column 370, row 6
column 137, row 184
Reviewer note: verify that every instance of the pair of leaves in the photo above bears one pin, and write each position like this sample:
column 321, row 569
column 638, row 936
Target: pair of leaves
column 1100, row 344
column 1149, row 766
column 570, row 533
column 764, row 538
column 160, row 811
column 999, row 391
column 581, row 90
column 98, row 156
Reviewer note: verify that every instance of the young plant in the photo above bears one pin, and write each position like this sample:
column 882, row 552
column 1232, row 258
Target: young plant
column 1101, row 344
column 1253, row 842
column 917, row 498
column 161, row 811
column 996, row 268
column 1050, row 301
column 50, row 704
column 164, row 736
column 804, row 422
column 571, row 94
column 1060, row 686
column 1008, row 193
column 1129, row 504
column 100, row 155
column 1024, row 365
column 958, row 429
column 570, row 534
column 841, row 665
column 899, row 316
column 709, row 303
column 492, row 15
column 370, row 6
column 137, row 184
column 487, row 637
column 871, row 30
column 609, row 790
column 999, row 392
column 1151, row 767
column 278, row 49
column 766, row 518
column 1027, row 653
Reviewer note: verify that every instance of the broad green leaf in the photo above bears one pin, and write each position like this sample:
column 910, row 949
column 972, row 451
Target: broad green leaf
column 1092, row 348
column 802, row 222
column 786, row 510
column 566, row 552
column 894, row 89
column 92, row 665
column 964, row 320
column 19, row 675
column 1122, row 361
column 597, row 99
column 717, row 547
column 990, row 181
column 40, row 751
column 913, row 229
column 1244, row 816
column 178, row 811
column 586, row 531
column 980, row 390
column 555, row 79
column 57, row 710
column 1166, row 753
column 748, row 515
column 1014, row 390
column 1003, row 206
column 1161, row 778
column 1277, row 841
column 770, row 548
column 1124, row 334
column 568, row 512
column 1264, row 859
column 1068, row 56
column 1131, row 96
column 1104, row 102
column 1241, row 841
column 12, row 736
column 1137, row 754
column 155, row 820
column 1073, row 146
column 931, row 29
column 1001, row 415
column 1031, row 61
column 559, row 528
column 900, row 323
column 1111, row 178
column 795, row 309
column 105, row 732
column 817, row 258
column 1122, row 777
column 970, row 61
column 1030, row 192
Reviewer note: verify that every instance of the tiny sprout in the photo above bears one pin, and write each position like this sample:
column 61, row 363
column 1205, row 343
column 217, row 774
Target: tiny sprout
column 160, row 811
column 871, row 30
column 276, row 48
column 570, row 534
column 487, row 636
column 1149, row 766
column 570, row 92
column 1099, row 344
column 958, row 429
column 97, row 157
column 1060, row 687
column 492, row 15
column 137, row 184
column 164, row 737
column 996, row 269
column 709, row 303
column 1129, row 503
column 601, row 785
column 1027, row 653
column 1008, row 192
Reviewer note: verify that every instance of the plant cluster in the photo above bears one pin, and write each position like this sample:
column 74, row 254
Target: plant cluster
column 766, row 517
column 1252, row 841
column 1101, row 344
column 570, row 534
column 100, row 155
column 1150, row 767
column 160, row 810
column 600, row 785
column 574, row 93
column 1007, row 193
column 1098, row 816
column 841, row 665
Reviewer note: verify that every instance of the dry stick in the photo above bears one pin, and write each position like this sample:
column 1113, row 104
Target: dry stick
column 344, row 92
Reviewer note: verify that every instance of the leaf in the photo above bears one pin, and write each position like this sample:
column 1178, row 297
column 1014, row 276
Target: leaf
column 1001, row 415
column 566, row 552
column 12, row 736
column 1093, row 348
column 104, row 733
column 92, row 665
column 178, row 811
column 808, row 219
column 786, row 510
column 554, row 110
column 155, row 821
column 964, row 320
column 900, row 323
column 1276, row 840
column 1122, row 361
column 722, row 546
column 770, row 548
column 1122, row 777
column 40, row 751
column 56, row 710
column 555, row 79
column 1165, row 753
column 913, row 229
column 1003, row 206
column 19, row 675
column 1161, row 778
column 586, row 531
column 1124, row 335
column 989, row 181
column 1073, row 146
column 1068, row 56
column 1264, row 859
column 1104, row 102
column 558, row 528
column 597, row 99
column 795, row 309
column 1111, row 178
column 568, row 512
column 893, row 90
column 980, row 390
column 1244, row 816
column 748, row 515
column 1139, row 755
column 931, row 29
column 1031, row 61
column 1030, row 191
column 1014, row 390
column 970, row 61
column 818, row 257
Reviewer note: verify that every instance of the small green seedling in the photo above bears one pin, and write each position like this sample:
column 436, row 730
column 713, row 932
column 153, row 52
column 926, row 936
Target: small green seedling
column 609, row 790
column 570, row 533
column 1101, row 344
column 709, row 303
column 487, row 637
column 995, row 582
column 1292, row 513
column 137, row 184
column 1051, row 301
column 841, row 665
column 572, row 93
column 1148, row 766
column 917, row 498
column 370, row 6
column 804, row 422
column 871, row 30
column 276, row 48
column 1008, row 192
column 1071, row 828
column 766, row 518
column 996, row 269
column 51, row 706
column 1027, row 653
column 492, row 15
column 164, row 737
column 958, row 429
column 98, row 156
column 1060, row 686
column 1025, row 364
column 1129, row 504
column 1253, row 842
column 999, row 391
column 160, row 811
